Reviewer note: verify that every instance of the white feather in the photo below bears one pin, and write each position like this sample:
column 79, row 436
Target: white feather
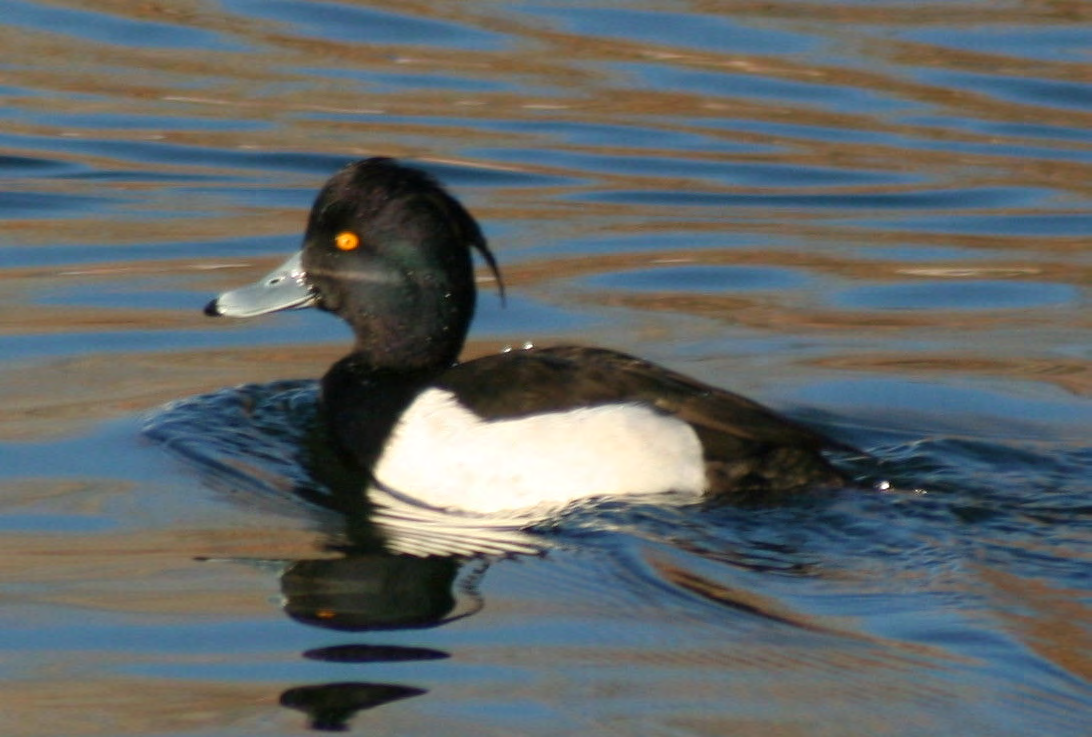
column 442, row 454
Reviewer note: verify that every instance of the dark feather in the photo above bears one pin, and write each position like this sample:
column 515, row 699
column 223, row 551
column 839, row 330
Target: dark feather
column 749, row 449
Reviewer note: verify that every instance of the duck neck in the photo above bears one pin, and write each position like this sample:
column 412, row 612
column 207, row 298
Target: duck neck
column 363, row 402
column 420, row 326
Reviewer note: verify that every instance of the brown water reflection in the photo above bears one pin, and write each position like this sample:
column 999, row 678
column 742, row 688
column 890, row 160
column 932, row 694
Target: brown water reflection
column 123, row 706
column 566, row 74
column 63, row 397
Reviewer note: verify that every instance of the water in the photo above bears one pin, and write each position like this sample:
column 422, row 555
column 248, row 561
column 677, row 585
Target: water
column 874, row 216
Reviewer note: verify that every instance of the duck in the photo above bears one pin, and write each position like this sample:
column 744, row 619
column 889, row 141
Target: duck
column 390, row 251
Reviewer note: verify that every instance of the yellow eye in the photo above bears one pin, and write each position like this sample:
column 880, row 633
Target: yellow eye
column 346, row 241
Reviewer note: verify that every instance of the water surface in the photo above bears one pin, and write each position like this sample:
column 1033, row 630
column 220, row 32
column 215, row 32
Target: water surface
column 874, row 216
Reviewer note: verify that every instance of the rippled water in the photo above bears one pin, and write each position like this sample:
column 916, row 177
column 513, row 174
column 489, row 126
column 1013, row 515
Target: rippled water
column 875, row 216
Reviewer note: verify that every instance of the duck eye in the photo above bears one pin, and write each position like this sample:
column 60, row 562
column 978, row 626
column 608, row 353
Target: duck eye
column 346, row 241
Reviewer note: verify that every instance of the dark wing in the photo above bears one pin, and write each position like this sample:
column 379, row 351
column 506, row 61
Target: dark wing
column 742, row 438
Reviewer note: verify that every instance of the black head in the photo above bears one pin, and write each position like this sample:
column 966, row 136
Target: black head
column 389, row 250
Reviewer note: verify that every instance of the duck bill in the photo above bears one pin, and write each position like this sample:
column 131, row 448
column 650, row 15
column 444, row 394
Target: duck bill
column 284, row 288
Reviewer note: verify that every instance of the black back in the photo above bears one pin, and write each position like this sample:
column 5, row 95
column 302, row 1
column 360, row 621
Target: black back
column 750, row 450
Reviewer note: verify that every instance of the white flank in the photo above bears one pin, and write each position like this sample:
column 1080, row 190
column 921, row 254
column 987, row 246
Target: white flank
column 445, row 456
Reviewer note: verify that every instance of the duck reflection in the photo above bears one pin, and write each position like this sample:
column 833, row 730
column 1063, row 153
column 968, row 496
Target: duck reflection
column 330, row 706
column 370, row 591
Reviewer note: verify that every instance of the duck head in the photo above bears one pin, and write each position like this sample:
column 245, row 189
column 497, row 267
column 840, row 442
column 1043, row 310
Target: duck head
column 388, row 250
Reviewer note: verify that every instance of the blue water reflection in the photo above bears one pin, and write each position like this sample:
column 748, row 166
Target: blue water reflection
column 1023, row 90
column 113, row 29
column 701, row 279
column 727, row 86
column 330, row 21
column 961, row 295
column 1054, row 225
column 664, row 29
column 1048, row 42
